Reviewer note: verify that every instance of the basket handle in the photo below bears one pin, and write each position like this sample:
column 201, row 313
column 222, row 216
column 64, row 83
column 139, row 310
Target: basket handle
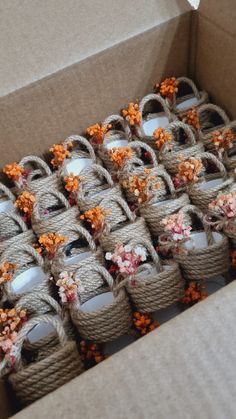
column 193, row 210
column 140, row 144
column 150, row 249
column 4, row 190
column 122, row 203
column 84, row 233
column 115, row 120
column 213, row 109
column 18, row 220
column 38, row 204
column 101, row 172
column 42, row 168
column 79, row 140
column 189, row 82
column 216, row 161
column 157, row 98
column 178, row 125
column 162, row 173
column 13, row 254
column 26, row 301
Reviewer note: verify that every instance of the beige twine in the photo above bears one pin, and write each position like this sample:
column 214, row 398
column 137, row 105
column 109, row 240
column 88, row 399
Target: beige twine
column 109, row 322
column 94, row 179
column 158, row 289
column 11, row 224
column 229, row 159
column 202, row 96
column 206, row 126
column 5, row 192
column 33, row 381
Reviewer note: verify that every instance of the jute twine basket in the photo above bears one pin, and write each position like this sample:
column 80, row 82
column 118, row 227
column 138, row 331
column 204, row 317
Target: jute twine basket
column 171, row 158
column 53, row 219
column 33, row 381
column 154, row 286
column 25, row 257
column 6, row 193
column 40, row 177
column 119, row 134
column 211, row 118
column 229, row 159
column 158, row 208
column 86, row 189
column 204, row 263
column 152, row 106
column 11, row 225
column 26, row 236
column 178, row 106
column 201, row 197
column 88, row 255
column 109, row 322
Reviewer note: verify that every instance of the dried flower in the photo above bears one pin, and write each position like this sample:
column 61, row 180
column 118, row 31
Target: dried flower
column 96, row 218
column 224, row 205
column 132, row 114
column 141, row 185
column 174, row 225
column 120, row 155
column 6, row 272
column 168, row 87
column 11, row 320
column 50, row 243
column 144, row 323
column 127, row 258
column 13, row 171
column 162, row 137
column 191, row 118
column 91, row 352
column 72, row 183
column 189, row 169
column 233, row 258
column 194, row 293
column 25, row 203
column 60, row 153
column 97, row 132
column 68, row 287
column 223, row 140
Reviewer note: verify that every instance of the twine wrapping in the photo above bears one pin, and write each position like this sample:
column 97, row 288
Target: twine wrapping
column 27, row 236
column 153, row 287
column 109, row 322
column 5, row 192
column 229, row 158
column 33, row 381
column 11, row 224
column 94, row 179
column 207, row 125
column 201, row 96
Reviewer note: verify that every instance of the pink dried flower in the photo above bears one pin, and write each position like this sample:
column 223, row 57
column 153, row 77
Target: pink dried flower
column 174, row 225
column 127, row 258
column 224, row 205
column 68, row 287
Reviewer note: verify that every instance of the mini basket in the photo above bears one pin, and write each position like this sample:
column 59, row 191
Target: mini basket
column 154, row 286
column 37, row 379
column 201, row 264
column 11, row 225
column 171, row 158
column 53, row 219
column 187, row 90
column 202, row 198
column 25, row 235
column 158, row 208
column 211, row 118
column 153, row 106
column 109, row 322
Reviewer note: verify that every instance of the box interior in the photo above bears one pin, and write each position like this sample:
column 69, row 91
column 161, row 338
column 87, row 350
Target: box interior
column 174, row 41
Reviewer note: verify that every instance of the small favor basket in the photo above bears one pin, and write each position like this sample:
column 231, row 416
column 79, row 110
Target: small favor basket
column 211, row 118
column 187, row 96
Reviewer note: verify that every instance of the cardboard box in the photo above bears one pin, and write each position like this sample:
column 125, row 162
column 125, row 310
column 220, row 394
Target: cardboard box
column 92, row 58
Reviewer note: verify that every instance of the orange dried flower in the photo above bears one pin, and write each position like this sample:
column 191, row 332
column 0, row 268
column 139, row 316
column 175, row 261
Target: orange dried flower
column 162, row 137
column 191, row 118
column 144, row 323
column 72, row 183
column 223, row 140
column 95, row 217
column 120, row 155
column 194, row 293
column 11, row 321
column 97, row 132
column 132, row 114
column 189, row 169
column 91, row 352
column 168, row 87
column 140, row 186
column 6, row 272
column 51, row 242
column 233, row 258
column 60, row 153
column 25, row 202
column 13, row 171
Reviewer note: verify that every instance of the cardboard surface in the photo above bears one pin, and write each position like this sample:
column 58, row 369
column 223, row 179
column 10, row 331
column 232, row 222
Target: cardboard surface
column 183, row 370
column 221, row 13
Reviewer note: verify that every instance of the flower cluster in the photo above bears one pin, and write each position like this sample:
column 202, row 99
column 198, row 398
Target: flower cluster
column 168, row 87
column 68, row 287
column 25, row 203
column 224, row 205
column 132, row 114
column 50, row 243
column 140, row 186
column 144, row 323
column 223, row 140
column 11, row 320
column 91, row 352
column 174, row 225
column 6, row 272
column 97, row 132
column 191, row 118
column 96, row 218
column 72, row 183
column 120, row 155
column 60, row 153
column 13, row 171
column 127, row 258
column 162, row 137
column 189, row 169
column 194, row 293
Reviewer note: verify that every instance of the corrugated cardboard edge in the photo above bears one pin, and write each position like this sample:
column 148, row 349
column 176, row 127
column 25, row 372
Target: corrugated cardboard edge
column 185, row 369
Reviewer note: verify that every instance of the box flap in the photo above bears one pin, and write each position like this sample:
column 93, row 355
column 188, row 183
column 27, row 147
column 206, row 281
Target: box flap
column 185, row 369
column 41, row 38
column 222, row 13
